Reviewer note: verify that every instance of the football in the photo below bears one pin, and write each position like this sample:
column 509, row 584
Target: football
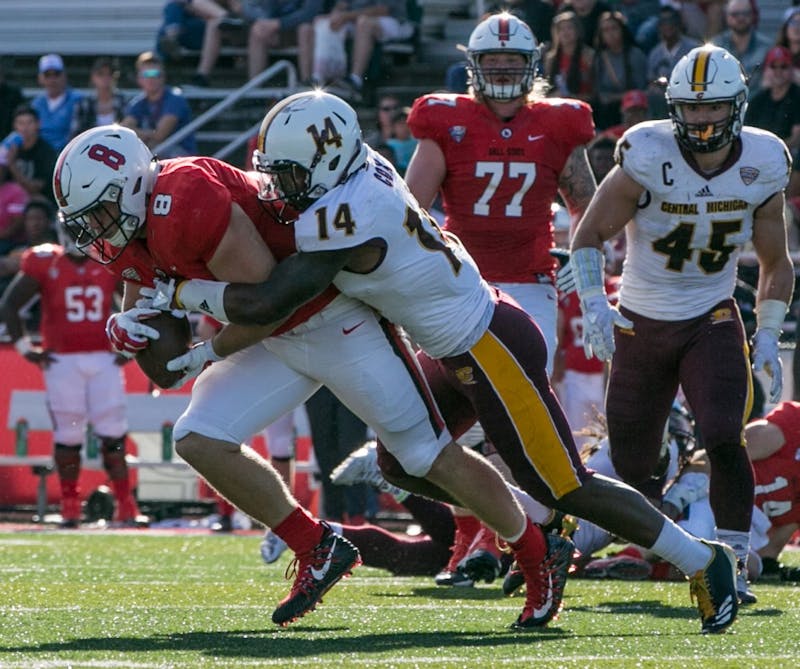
column 175, row 340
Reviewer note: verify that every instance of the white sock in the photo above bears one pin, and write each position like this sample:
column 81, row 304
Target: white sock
column 738, row 541
column 336, row 527
column 516, row 537
column 536, row 511
column 358, row 81
column 680, row 548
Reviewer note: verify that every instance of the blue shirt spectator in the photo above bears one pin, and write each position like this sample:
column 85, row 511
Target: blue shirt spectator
column 158, row 111
column 55, row 105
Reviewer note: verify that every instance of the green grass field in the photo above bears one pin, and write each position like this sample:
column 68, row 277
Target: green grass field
column 146, row 600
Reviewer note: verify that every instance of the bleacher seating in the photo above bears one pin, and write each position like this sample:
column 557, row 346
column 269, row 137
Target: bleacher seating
column 79, row 27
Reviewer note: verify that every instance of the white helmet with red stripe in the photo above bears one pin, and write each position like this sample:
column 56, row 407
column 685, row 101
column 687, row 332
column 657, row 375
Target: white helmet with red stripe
column 107, row 164
column 502, row 33
column 708, row 74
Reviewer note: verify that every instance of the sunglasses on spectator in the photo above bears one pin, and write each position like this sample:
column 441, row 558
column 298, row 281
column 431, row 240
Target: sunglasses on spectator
column 388, row 108
column 52, row 73
column 745, row 13
column 150, row 74
column 780, row 66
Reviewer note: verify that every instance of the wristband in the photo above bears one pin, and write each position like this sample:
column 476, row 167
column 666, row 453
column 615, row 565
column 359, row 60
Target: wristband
column 770, row 315
column 202, row 295
column 23, row 345
column 587, row 268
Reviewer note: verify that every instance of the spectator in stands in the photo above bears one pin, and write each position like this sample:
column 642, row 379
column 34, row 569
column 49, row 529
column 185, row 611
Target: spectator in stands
column 635, row 108
column 13, row 199
column 30, row 160
column 56, row 104
column 743, row 40
column 401, row 142
column 10, row 99
column 388, row 104
column 619, row 66
column 538, row 14
column 777, row 107
column 636, row 13
column 184, row 26
column 277, row 25
column 37, row 223
column 83, row 381
column 789, row 37
column 107, row 104
column 158, row 111
column 588, row 13
column 600, row 152
column 568, row 63
column 673, row 44
column 367, row 22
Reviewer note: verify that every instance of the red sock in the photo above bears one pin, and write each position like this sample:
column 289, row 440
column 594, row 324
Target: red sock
column 300, row 530
column 69, row 488
column 531, row 547
column 224, row 507
column 127, row 509
column 467, row 526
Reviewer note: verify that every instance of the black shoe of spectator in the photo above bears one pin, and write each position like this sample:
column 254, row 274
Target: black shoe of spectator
column 232, row 24
column 169, row 47
column 353, row 92
column 200, row 80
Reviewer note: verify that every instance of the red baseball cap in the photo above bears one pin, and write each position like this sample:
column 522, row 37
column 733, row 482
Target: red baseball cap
column 778, row 54
column 634, row 99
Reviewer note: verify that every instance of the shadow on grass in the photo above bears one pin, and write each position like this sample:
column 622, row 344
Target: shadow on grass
column 658, row 609
column 291, row 642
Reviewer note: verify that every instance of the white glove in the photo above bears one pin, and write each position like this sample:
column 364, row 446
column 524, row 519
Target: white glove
column 690, row 487
column 127, row 334
column 565, row 281
column 194, row 361
column 160, row 296
column 599, row 319
column 767, row 358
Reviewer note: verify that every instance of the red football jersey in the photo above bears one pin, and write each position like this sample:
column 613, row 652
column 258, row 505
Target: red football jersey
column 778, row 476
column 502, row 176
column 188, row 214
column 76, row 299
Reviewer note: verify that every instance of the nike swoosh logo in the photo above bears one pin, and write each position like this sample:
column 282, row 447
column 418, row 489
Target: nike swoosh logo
column 319, row 574
column 347, row 331
column 533, row 138
column 548, row 602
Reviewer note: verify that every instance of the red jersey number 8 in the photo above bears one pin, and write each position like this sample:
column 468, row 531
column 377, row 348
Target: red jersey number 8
column 109, row 157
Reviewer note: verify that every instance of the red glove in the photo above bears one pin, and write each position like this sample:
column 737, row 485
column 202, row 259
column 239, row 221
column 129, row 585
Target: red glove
column 126, row 332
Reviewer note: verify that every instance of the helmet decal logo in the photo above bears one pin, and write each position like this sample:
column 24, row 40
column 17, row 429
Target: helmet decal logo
column 110, row 158
column 503, row 30
column 700, row 73
column 328, row 135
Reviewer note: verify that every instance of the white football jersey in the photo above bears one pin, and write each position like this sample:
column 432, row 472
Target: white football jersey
column 425, row 281
column 686, row 236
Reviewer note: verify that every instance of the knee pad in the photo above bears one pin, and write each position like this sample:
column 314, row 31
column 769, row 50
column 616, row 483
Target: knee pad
column 113, row 452
column 68, row 461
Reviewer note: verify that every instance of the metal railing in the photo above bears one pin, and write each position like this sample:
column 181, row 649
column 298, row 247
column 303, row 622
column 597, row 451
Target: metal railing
column 252, row 89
